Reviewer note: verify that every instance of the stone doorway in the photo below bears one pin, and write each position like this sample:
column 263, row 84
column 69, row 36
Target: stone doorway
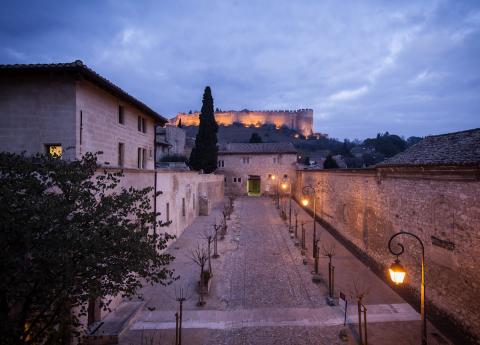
column 253, row 185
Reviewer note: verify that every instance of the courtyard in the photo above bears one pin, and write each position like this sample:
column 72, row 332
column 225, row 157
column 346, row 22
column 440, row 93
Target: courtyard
column 262, row 290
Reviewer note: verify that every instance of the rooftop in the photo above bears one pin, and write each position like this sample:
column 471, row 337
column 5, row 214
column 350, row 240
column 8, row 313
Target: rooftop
column 459, row 148
column 78, row 68
column 260, row 148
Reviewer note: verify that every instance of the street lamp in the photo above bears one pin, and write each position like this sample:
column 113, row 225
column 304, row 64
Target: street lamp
column 285, row 185
column 305, row 202
column 398, row 273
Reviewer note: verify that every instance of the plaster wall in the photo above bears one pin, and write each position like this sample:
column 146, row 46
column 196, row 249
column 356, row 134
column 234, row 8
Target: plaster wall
column 442, row 207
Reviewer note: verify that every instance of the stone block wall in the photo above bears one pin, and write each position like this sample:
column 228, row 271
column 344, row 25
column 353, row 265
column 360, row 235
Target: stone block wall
column 301, row 119
column 37, row 111
column 101, row 131
column 440, row 205
column 234, row 167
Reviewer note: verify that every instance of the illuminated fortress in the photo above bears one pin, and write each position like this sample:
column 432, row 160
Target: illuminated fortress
column 300, row 120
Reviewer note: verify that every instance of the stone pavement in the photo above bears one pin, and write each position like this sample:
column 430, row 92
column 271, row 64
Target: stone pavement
column 262, row 292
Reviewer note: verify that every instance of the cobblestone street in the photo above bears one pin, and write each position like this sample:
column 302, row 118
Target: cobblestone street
column 262, row 290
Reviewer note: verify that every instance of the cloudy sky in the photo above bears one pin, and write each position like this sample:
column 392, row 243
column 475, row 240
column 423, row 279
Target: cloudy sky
column 411, row 68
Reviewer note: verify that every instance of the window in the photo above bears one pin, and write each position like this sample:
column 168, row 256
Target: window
column 234, row 179
column 139, row 157
column 274, row 160
column 246, row 160
column 239, row 179
column 121, row 115
column 144, row 158
column 168, row 212
column 225, row 179
column 121, row 154
column 54, row 150
column 221, row 164
column 183, row 207
column 142, row 124
column 193, row 200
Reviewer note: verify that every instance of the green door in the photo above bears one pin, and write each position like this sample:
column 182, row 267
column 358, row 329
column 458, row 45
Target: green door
column 253, row 185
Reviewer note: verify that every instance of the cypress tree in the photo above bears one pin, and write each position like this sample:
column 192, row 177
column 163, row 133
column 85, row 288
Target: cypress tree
column 204, row 154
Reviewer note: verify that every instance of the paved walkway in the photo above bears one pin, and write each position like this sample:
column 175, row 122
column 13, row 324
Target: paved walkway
column 262, row 292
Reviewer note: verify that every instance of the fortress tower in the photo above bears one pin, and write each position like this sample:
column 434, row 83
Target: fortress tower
column 300, row 120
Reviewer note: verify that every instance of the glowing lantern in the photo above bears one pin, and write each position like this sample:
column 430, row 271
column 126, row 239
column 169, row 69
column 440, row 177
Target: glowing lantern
column 305, row 202
column 397, row 272
column 273, row 177
column 284, row 185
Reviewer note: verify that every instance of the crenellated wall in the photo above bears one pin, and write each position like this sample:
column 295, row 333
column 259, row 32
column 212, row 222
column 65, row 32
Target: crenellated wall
column 440, row 205
column 301, row 119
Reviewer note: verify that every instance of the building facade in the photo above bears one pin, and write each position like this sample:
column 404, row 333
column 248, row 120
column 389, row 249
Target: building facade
column 256, row 169
column 68, row 110
column 431, row 190
column 300, row 120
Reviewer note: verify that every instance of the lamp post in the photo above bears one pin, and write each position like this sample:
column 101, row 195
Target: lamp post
column 398, row 273
column 274, row 178
column 286, row 185
column 305, row 203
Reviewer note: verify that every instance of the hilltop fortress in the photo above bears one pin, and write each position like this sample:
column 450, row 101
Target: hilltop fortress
column 300, row 120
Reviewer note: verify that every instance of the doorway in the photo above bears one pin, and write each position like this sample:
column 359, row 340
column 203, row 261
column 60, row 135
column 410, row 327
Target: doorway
column 253, row 185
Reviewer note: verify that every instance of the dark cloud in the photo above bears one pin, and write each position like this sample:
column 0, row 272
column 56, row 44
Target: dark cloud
column 364, row 68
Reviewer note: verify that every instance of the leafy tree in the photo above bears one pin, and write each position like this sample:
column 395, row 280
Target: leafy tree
column 413, row 140
column 387, row 144
column 204, row 154
column 330, row 163
column 69, row 236
column 255, row 138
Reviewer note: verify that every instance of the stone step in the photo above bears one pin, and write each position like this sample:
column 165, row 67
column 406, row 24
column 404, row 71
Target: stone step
column 109, row 330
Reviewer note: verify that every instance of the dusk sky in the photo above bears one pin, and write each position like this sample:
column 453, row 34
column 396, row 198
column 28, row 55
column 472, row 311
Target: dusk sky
column 410, row 68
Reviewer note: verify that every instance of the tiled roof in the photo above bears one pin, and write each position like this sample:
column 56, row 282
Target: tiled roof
column 460, row 148
column 260, row 148
column 79, row 68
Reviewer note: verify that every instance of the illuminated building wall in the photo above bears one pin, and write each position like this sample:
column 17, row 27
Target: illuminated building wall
column 300, row 120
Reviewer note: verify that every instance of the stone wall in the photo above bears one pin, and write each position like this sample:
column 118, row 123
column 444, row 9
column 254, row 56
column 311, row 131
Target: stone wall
column 175, row 186
column 301, row 119
column 37, row 111
column 440, row 205
column 101, row 130
column 233, row 167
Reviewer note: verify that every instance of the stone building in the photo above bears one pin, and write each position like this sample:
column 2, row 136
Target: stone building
column 256, row 169
column 170, row 141
column 68, row 109
column 432, row 190
column 300, row 120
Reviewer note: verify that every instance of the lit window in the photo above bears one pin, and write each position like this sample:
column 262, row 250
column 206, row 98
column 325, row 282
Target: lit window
column 54, row 151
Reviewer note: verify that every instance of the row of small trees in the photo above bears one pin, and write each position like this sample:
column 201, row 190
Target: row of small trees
column 202, row 254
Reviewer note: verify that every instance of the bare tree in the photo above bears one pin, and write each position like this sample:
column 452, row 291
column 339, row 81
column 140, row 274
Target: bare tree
column 199, row 255
column 215, row 239
column 328, row 250
column 209, row 235
column 181, row 295
column 359, row 291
